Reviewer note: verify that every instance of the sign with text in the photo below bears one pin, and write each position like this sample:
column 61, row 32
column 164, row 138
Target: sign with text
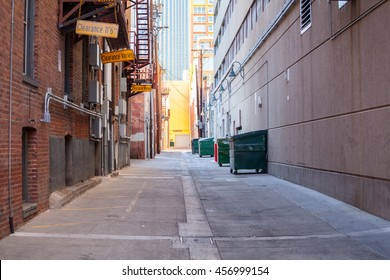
column 94, row 28
column 141, row 88
column 118, row 56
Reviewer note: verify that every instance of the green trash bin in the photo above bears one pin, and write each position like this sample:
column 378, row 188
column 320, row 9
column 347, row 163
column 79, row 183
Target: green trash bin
column 206, row 147
column 249, row 151
column 195, row 146
column 223, row 151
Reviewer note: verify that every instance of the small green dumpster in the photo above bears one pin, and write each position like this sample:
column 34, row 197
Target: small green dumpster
column 223, row 151
column 206, row 147
column 195, row 146
column 249, row 151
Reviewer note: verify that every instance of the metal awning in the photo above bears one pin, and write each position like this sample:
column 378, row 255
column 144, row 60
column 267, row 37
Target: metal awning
column 106, row 11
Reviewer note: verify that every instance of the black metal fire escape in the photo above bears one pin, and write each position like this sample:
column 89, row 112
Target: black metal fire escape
column 143, row 31
column 140, row 41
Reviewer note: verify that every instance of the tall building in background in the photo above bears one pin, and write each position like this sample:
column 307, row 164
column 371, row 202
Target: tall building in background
column 201, row 32
column 201, row 64
column 174, row 49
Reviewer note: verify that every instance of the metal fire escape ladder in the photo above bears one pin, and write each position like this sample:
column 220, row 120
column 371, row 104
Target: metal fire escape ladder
column 143, row 33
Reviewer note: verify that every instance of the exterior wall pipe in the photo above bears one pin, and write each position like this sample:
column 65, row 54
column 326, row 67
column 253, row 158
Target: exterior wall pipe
column 50, row 96
column 269, row 30
column 10, row 204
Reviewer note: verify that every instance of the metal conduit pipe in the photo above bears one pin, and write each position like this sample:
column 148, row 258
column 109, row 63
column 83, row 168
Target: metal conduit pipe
column 269, row 29
column 333, row 36
column 50, row 96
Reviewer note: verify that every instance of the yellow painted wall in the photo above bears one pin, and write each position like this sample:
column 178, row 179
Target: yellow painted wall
column 179, row 109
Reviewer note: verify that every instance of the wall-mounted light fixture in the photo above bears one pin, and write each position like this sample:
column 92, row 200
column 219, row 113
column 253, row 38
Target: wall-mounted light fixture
column 213, row 100
column 240, row 70
column 229, row 77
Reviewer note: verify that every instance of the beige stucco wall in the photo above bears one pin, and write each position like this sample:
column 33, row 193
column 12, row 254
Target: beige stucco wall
column 324, row 99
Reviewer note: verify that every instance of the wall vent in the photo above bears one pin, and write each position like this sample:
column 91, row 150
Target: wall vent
column 305, row 15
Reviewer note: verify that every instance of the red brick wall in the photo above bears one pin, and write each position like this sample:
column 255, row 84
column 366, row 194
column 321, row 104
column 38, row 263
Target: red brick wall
column 28, row 105
column 137, row 148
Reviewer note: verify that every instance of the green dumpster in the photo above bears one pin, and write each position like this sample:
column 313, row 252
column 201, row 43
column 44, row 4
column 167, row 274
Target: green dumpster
column 206, row 147
column 223, row 151
column 195, row 146
column 249, row 151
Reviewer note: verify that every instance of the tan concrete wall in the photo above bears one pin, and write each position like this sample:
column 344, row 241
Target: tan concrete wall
column 328, row 122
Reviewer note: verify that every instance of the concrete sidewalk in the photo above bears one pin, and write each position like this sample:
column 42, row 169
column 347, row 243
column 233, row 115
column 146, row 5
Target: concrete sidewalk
column 181, row 206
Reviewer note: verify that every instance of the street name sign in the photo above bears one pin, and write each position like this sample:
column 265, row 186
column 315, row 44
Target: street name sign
column 118, row 56
column 141, row 88
column 94, row 28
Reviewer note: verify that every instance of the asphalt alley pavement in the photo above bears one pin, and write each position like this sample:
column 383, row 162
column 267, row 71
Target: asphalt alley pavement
column 180, row 206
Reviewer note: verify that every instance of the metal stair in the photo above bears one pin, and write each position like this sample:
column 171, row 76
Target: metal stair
column 142, row 42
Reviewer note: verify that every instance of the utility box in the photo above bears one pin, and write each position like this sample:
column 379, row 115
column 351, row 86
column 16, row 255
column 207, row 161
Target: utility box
column 123, row 85
column 94, row 55
column 248, row 151
column 96, row 130
column 94, row 92
column 122, row 130
column 122, row 106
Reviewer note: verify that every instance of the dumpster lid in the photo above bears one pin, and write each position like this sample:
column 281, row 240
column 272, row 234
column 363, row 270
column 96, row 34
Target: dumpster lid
column 252, row 133
column 206, row 139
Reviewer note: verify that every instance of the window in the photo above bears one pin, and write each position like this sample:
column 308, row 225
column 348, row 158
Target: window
column 342, row 3
column 305, row 15
column 199, row 19
column 199, row 10
column 205, row 45
column 199, row 28
column 29, row 17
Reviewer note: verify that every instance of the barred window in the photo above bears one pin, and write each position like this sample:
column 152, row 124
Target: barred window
column 305, row 15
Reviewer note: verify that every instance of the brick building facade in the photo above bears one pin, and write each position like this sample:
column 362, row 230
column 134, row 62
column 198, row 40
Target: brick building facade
column 58, row 106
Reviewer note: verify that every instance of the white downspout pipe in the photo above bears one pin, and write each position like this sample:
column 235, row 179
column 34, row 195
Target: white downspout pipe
column 10, row 204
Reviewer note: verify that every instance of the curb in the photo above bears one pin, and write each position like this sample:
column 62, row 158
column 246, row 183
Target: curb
column 61, row 197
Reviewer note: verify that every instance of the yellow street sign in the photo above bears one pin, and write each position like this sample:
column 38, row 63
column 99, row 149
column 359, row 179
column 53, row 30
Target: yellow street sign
column 141, row 88
column 94, row 28
column 124, row 55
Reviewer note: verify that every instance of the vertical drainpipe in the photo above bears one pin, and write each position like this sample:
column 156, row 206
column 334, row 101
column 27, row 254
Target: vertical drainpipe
column 10, row 206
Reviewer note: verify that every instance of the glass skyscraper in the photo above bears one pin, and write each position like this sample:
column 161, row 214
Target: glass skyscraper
column 174, row 42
